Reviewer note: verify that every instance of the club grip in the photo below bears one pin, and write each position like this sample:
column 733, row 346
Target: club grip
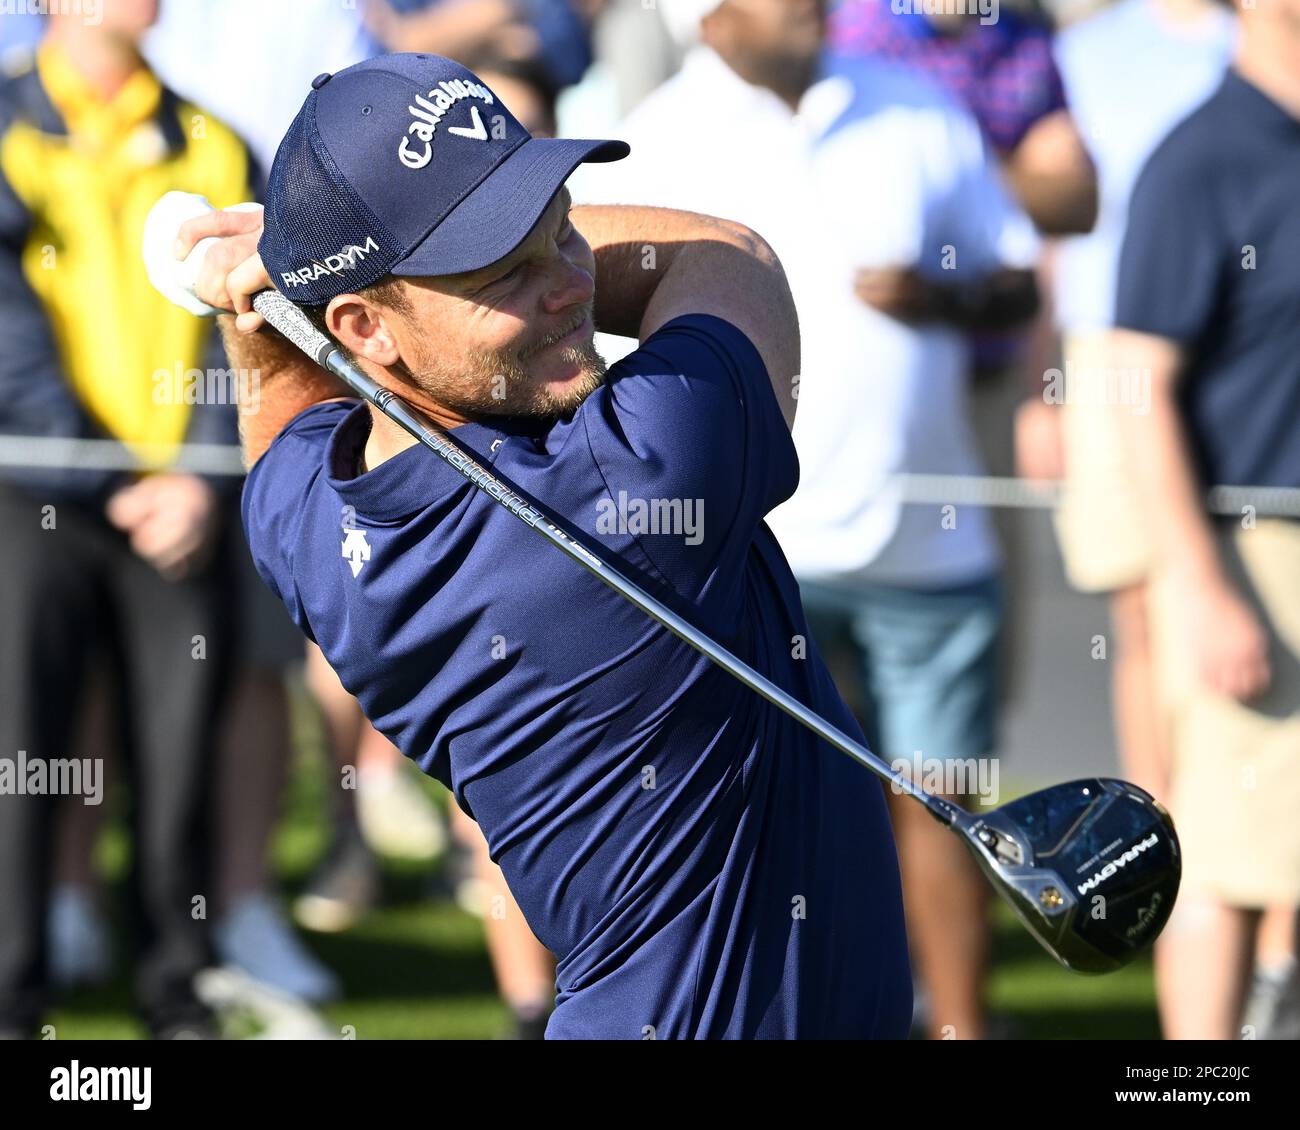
column 294, row 324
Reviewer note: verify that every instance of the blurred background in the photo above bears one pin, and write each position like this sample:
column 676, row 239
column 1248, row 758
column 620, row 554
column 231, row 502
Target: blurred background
column 985, row 334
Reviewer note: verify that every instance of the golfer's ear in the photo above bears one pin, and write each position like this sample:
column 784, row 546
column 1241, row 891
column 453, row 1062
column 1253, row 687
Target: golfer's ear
column 362, row 329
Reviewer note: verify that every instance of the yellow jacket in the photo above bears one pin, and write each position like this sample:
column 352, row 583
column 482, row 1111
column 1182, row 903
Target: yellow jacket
column 99, row 350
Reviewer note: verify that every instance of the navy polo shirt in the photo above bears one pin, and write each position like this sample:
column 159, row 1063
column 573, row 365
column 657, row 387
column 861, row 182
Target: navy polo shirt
column 699, row 863
column 1211, row 260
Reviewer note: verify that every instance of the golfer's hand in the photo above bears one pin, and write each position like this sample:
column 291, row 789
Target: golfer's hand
column 232, row 270
column 1228, row 643
column 898, row 292
column 171, row 521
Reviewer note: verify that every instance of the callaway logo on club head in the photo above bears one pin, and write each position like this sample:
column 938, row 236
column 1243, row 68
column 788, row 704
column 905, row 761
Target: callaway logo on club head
column 342, row 260
column 1112, row 868
column 430, row 109
column 1145, row 916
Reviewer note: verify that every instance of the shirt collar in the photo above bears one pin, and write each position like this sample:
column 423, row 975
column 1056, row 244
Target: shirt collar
column 413, row 479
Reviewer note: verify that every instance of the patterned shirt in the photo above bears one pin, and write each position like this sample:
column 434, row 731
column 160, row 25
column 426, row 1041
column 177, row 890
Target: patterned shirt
column 1003, row 72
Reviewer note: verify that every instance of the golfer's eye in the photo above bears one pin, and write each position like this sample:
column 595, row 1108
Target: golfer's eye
column 508, row 277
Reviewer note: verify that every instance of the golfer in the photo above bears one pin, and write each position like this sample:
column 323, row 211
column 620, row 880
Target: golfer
column 699, row 863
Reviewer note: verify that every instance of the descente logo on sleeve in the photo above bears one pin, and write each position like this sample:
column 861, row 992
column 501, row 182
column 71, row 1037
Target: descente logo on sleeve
column 431, row 108
column 342, row 260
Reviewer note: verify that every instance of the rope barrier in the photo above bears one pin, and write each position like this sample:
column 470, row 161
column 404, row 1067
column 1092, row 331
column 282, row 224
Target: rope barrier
column 43, row 452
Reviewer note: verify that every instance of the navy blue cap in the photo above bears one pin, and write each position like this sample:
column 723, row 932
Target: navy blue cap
column 406, row 165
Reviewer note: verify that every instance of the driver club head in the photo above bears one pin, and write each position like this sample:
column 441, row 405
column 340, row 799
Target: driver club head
column 1091, row 867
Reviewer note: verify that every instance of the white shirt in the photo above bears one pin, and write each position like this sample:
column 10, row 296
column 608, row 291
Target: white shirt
column 1130, row 76
column 877, row 169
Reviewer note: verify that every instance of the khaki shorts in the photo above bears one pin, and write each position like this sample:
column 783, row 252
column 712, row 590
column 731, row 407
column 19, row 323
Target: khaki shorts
column 1235, row 767
column 1098, row 524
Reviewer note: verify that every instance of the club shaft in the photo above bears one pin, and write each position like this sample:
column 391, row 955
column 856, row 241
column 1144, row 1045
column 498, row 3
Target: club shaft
column 293, row 324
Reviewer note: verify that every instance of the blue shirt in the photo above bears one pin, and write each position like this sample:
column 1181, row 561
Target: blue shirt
column 1131, row 75
column 1209, row 261
column 699, row 863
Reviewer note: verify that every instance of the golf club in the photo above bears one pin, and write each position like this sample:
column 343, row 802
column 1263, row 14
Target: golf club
column 1091, row 867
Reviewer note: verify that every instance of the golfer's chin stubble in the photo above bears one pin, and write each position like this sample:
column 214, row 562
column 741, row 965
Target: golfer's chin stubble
column 564, row 377
column 548, row 385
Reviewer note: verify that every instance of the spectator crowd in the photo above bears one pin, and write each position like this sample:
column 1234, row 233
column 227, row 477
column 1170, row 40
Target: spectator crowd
column 1088, row 205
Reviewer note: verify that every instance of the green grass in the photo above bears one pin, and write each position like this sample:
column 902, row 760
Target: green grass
column 1048, row 1002
column 417, row 968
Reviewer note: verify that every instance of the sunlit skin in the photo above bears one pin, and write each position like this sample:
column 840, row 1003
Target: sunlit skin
column 512, row 339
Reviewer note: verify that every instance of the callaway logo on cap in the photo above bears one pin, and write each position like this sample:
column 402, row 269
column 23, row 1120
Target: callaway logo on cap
column 406, row 165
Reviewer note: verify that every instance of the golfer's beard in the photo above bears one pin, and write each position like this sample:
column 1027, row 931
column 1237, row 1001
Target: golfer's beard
column 499, row 384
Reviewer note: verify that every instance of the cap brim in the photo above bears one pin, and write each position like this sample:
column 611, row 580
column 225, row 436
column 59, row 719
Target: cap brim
column 497, row 216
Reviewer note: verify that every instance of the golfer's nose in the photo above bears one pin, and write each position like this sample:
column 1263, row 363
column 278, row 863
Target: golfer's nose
column 569, row 284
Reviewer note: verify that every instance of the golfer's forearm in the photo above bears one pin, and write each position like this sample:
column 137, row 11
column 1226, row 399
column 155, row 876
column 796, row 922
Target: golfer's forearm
column 635, row 249
column 283, row 383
